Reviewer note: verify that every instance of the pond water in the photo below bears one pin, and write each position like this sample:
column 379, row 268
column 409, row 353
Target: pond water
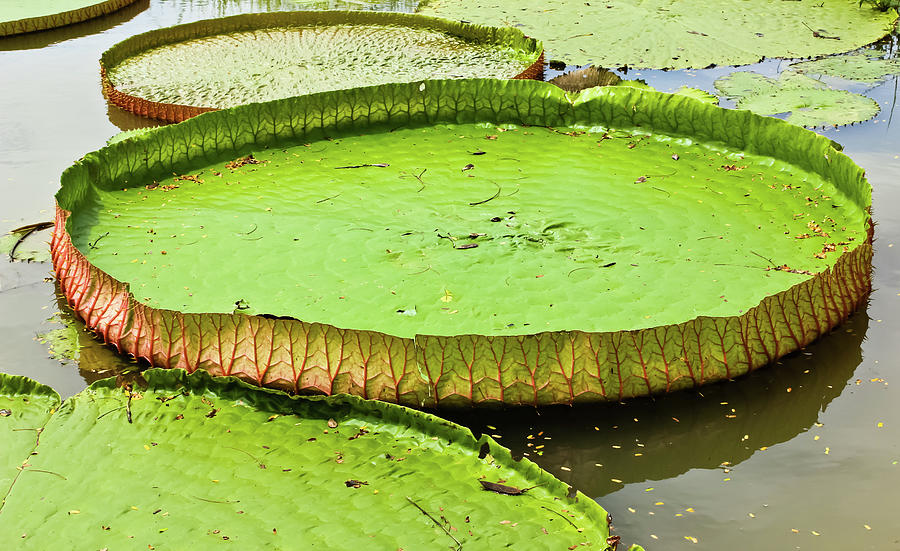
column 802, row 455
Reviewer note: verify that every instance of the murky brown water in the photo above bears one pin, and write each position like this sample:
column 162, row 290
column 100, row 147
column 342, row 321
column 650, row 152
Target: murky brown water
column 804, row 455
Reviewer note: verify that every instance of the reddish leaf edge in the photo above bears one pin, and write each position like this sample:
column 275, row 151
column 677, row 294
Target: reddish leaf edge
column 568, row 367
column 62, row 19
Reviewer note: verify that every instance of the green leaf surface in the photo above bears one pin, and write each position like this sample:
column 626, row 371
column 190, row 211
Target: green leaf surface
column 698, row 94
column 407, row 231
column 213, row 462
column 25, row 407
column 258, row 57
column 861, row 67
column 21, row 16
column 809, row 102
column 679, row 34
column 687, row 231
column 125, row 134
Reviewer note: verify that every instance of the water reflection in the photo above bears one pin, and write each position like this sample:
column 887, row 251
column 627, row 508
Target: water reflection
column 42, row 39
column 655, row 439
column 69, row 341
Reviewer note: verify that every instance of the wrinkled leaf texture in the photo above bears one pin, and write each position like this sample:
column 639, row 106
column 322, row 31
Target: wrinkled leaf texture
column 214, row 461
column 545, row 368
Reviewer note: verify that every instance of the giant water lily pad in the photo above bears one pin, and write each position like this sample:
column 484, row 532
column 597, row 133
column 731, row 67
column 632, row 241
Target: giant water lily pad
column 809, row 102
column 23, row 16
column 861, row 67
column 178, row 72
column 680, row 34
column 200, row 462
column 391, row 242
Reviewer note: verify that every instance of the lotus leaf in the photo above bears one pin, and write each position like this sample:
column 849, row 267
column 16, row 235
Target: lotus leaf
column 810, row 102
column 176, row 72
column 429, row 265
column 22, row 16
column 861, row 67
column 192, row 460
column 680, row 34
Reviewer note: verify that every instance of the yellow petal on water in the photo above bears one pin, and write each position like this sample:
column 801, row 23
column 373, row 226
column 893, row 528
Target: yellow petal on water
column 654, row 536
column 649, row 490
column 690, row 509
column 659, row 503
column 764, row 448
column 880, row 425
column 751, row 515
column 616, row 480
column 630, row 510
column 692, row 539
column 867, row 527
column 827, row 450
column 813, row 532
column 816, row 437
column 794, row 530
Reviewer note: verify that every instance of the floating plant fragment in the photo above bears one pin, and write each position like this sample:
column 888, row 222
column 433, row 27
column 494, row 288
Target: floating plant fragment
column 679, row 34
column 860, row 67
column 587, row 77
column 24, row 16
column 192, row 460
column 689, row 236
column 178, row 72
column 26, row 244
column 809, row 102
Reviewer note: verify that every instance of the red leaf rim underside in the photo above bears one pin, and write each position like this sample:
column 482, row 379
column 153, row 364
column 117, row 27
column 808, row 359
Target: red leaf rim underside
column 561, row 367
column 44, row 22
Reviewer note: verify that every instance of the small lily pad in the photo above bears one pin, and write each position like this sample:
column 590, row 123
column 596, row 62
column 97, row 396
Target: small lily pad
column 861, row 67
column 809, row 102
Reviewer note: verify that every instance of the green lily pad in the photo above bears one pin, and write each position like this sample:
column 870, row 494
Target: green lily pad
column 225, row 62
column 861, row 67
column 191, row 460
column 25, row 407
column 23, row 16
column 430, row 265
column 680, row 34
column 809, row 102
column 26, row 244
